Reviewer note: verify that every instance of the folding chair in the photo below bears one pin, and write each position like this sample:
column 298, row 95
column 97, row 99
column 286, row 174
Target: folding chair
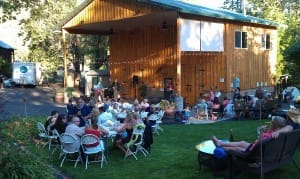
column 136, row 141
column 44, row 134
column 69, row 147
column 89, row 139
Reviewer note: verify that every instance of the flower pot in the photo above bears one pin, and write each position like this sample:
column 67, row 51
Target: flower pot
column 59, row 98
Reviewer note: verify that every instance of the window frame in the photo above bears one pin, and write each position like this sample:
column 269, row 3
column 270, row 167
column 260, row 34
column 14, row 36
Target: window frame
column 266, row 41
column 243, row 42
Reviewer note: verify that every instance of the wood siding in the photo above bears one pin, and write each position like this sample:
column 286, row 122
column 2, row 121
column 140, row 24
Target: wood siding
column 108, row 10
column 149, row 53
column 153, row 54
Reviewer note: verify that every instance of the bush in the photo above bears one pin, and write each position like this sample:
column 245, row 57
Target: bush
column 16, row 160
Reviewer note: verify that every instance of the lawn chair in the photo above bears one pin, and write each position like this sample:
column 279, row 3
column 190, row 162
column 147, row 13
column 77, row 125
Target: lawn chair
column 89, row 139
column 202, row 111
column 68, row 141
column 239, row 108
column 43, row 134
column 136, row 142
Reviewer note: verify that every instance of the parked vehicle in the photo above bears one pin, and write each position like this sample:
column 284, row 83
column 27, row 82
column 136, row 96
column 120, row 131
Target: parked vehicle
column 8, row 82
column 24, row 73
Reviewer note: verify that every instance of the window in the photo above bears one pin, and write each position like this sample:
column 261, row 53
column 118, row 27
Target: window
column 240, row 39
column 266, row 41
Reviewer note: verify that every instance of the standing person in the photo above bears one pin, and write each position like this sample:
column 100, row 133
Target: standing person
column 82, row 111
column 98, row 91
column 211, row 94
column 116, row 89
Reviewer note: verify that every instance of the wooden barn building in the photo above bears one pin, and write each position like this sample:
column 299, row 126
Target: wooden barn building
column 189, row 47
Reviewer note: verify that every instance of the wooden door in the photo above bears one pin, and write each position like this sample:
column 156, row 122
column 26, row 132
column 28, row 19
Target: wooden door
column 192, row 82
column 188, row 83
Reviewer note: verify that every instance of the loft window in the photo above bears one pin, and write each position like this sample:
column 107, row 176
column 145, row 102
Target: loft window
column 240, row 39
column 266, row 41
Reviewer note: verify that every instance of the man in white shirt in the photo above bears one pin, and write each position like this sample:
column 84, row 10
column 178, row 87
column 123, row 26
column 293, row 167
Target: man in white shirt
column 105, row 116
column 76, row 131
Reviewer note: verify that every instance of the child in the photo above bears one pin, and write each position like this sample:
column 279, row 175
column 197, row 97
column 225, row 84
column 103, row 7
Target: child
column 187, row 114
column 276, row 123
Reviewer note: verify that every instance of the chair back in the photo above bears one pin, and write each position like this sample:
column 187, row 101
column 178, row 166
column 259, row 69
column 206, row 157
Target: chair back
column 42, row 129
column 239, row 105
column 66, row 138
column 137, row 134
column 89, row 139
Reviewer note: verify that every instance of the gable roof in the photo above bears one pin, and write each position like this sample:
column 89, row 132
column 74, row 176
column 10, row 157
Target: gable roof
column 184, row 7
column 188, row 8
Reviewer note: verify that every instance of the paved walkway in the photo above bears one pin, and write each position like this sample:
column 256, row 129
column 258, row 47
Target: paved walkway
column 24, row 102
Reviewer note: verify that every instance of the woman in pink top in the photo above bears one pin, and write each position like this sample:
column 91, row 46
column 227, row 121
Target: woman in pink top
column 276, row 123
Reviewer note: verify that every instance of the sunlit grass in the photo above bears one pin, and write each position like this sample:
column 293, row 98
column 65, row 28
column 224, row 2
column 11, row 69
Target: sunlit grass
column 173, row 155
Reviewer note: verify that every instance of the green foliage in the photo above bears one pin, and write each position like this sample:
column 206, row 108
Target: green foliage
column 38, row 32
column 16, row 160
column 292, row 57
column 286, row 13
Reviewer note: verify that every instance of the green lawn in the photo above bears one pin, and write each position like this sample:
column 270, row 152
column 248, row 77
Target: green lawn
column 173, row 155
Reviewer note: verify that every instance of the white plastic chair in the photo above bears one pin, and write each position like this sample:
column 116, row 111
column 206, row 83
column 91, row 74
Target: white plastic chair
column 43, row 133
column 67, row 141
column 89, row 139
column 202, row 111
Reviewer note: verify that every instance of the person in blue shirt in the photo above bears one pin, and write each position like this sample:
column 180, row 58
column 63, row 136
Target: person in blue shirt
column 82, row 111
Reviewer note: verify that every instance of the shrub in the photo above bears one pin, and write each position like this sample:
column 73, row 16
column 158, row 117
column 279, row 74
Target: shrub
column 16, row 160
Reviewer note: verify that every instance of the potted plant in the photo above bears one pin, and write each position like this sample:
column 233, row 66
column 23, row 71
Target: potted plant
column 59, row 95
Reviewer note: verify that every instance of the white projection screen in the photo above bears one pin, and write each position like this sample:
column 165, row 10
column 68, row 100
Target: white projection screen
column 212, row 36
column 190, row 35
column 201, row 36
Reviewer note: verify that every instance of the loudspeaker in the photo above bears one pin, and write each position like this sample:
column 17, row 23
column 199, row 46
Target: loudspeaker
column 135, row 79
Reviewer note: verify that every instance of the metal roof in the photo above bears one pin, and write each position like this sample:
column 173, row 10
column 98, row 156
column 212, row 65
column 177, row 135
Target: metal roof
column 188, row 8
column 5, row 45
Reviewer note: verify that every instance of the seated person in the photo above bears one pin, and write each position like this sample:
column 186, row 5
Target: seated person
column 202, row 108
column 105, row 118
column 216, row 108
column 125, row 132
column 248, row 99
column 243, row 146
column 76, row 132
column 50, row 121
column 293, row 122
column 97, row 131
column 60, row 124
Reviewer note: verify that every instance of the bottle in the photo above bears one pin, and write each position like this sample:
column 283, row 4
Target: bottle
column 230, row 135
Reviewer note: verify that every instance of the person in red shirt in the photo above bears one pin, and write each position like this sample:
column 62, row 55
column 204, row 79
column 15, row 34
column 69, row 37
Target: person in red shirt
column 95, row 130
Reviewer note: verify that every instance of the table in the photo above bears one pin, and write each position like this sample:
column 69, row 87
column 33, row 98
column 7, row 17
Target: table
column 206, row 157
column 121, row 116
column 111, row 135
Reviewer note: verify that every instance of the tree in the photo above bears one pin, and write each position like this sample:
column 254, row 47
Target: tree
column 292, row 56
column 233, row 5
column 38, row 31
column 286, row 14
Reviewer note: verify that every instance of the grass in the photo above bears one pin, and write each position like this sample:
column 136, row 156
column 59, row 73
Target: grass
column 173, row 155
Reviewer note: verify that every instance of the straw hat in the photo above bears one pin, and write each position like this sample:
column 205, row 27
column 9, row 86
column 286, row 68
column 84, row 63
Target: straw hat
column 294, row 115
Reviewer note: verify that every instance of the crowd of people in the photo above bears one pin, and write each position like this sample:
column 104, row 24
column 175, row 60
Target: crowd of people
column 98, row 119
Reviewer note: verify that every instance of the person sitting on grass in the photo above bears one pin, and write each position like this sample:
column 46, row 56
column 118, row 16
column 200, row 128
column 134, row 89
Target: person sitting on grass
column 243, row 146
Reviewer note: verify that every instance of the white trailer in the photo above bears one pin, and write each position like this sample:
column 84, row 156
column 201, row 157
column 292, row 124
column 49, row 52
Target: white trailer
column 24, row 73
